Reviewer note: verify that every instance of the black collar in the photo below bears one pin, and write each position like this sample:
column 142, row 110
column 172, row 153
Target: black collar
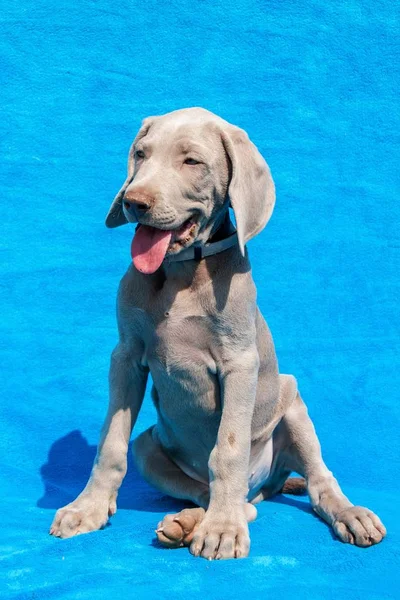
column 208, row 249
column 221, row 239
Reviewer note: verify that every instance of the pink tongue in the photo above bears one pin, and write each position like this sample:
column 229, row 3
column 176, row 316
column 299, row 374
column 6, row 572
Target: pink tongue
column 149, row 247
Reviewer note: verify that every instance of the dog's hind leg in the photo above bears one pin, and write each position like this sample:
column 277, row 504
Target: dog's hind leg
column 159, row 470
column 301, row 452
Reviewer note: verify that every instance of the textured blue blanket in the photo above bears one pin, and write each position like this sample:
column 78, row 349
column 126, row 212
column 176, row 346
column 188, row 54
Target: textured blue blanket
column 315, row 85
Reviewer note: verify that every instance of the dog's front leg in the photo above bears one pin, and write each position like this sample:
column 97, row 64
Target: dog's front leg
column 91, row 509
column 224, row 531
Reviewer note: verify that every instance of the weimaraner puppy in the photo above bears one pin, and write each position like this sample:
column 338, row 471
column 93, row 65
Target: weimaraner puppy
column 230, row 428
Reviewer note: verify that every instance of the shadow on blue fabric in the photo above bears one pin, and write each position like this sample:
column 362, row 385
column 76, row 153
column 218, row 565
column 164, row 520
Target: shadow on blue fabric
column 67, row 470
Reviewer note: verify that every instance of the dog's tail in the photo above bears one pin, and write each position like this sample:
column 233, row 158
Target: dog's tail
column 295, row 486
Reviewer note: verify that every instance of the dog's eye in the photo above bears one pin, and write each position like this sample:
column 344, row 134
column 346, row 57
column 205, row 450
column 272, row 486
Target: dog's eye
column 191, row 161
column 139, row 154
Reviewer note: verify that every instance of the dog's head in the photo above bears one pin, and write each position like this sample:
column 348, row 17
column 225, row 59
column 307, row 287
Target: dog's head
column 184, row 169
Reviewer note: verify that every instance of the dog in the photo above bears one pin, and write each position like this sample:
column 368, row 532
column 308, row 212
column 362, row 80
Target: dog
column 230, row 429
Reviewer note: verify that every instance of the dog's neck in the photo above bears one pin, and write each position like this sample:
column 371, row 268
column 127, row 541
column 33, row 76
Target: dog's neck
column 223, row 230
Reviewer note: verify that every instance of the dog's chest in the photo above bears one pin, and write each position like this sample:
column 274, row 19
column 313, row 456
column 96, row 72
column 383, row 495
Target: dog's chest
column 181, row 339
column 177, row 329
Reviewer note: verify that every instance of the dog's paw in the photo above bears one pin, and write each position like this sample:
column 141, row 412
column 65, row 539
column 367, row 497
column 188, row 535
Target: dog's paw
column 82, row 516
column 220, row 536
column 360, row 526
column 175, row 531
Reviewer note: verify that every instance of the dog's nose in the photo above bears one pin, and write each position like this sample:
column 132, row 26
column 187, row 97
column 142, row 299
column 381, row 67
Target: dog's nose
column 138, row 201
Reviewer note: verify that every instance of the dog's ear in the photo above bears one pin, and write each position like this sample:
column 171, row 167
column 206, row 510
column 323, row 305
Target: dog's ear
column 251, row 188
column 115, row 216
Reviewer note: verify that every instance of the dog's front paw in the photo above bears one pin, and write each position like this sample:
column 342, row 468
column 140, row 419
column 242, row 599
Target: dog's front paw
column 222, row 536
column 85, row 514
column 360, row 526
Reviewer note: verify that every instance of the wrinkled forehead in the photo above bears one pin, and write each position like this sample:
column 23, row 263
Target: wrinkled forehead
column 183, row 133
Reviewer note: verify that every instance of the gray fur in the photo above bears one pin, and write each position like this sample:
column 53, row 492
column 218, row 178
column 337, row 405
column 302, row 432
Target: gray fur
column 230, row 428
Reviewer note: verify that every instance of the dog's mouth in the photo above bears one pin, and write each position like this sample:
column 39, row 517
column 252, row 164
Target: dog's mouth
column 151, row 244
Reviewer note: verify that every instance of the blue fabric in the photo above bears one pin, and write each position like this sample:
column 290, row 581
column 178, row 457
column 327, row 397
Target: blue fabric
column 315, row 84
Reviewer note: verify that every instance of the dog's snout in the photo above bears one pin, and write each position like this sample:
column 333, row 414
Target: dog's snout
column 138, row 200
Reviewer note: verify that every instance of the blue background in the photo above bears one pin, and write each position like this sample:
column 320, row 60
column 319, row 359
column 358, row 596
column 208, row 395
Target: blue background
column 315, row 85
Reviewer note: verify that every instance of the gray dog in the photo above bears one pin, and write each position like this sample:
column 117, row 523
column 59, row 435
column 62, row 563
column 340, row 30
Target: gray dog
column 230, row 428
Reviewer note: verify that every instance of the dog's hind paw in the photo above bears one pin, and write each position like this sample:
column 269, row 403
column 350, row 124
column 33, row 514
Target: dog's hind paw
column 177, row 530
column 360, row 526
